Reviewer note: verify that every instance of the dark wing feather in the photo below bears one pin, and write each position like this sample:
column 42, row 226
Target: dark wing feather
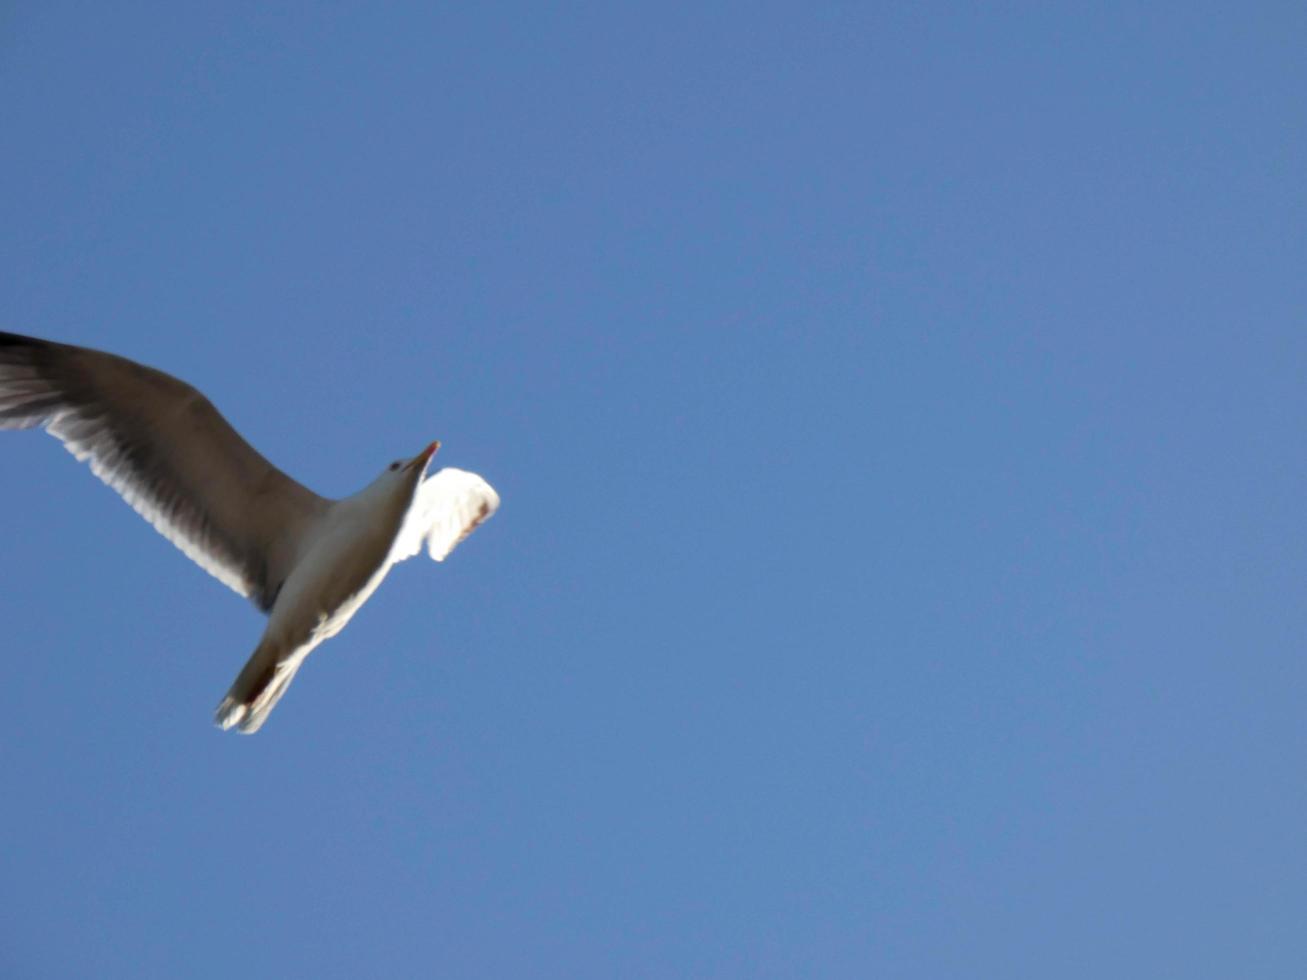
column 167, row 451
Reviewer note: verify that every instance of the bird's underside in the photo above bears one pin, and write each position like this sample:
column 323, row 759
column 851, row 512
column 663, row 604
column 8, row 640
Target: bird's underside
column 307, row 561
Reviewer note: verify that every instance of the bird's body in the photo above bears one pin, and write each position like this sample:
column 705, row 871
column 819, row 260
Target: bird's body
column 308, row 562
column 346, row 557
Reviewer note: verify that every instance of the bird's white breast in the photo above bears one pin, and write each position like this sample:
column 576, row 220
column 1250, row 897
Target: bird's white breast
column 343, row 563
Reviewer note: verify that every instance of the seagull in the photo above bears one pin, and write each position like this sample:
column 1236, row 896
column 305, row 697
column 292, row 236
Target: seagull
column 307, row 562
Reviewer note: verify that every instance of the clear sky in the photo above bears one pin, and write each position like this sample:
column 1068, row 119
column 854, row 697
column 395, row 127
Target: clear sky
column 899, row 418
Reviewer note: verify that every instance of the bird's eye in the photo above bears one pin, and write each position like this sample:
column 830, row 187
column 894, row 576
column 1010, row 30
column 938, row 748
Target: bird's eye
column 394, row 466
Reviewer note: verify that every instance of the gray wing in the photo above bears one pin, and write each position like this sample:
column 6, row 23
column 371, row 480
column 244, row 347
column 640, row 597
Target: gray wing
column 167, row 451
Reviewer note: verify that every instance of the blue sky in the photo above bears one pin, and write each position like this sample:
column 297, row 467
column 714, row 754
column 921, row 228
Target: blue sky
column 898, row 414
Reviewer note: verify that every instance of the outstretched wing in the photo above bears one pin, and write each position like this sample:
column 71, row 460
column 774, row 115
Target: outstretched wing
column 450, row 504
column 167, row 451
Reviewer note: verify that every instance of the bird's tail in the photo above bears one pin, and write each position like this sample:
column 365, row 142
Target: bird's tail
column 259, row 686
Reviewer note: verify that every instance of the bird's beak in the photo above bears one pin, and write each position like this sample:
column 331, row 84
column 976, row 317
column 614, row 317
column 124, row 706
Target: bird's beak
column 422, row 458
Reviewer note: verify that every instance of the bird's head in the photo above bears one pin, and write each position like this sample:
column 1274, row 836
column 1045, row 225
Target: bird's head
column 408, row 472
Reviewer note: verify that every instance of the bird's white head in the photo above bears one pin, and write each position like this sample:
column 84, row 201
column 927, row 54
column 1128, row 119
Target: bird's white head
column 407, row 472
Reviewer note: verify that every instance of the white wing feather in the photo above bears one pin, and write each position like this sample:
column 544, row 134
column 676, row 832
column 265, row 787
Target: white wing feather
column 450, row 504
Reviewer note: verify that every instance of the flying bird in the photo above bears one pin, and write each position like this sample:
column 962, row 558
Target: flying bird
column 307, row 561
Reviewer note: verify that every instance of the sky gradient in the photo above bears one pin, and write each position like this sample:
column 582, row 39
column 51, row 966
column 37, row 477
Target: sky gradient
column 898, row 415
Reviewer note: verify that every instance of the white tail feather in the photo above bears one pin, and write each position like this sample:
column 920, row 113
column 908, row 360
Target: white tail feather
column 258, row 688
